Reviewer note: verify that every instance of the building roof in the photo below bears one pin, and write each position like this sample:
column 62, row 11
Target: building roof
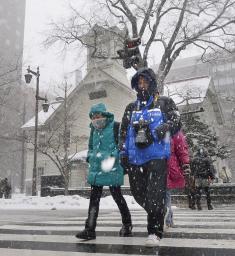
column 79, row 156
column 193, row 89
column 42, row 116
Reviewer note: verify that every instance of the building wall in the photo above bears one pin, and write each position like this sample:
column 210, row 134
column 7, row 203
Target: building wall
column 109, row 85
column 116, row 101
column 79, row 106
column 222, row 72
column 78, row 176
column 12, row 94
column 12, row 16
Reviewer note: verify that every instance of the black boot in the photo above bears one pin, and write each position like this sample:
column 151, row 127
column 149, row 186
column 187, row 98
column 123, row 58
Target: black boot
column 86, row 234
column 208, row 199
column 199, row 207
column 125, row 231
column 90, row 225
column 210, row 207
column 198, row 198
column 192, row 202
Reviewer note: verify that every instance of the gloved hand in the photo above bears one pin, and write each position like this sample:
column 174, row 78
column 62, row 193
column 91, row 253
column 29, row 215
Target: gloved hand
column 161, row 130
column 124, row 161
column 186, row 169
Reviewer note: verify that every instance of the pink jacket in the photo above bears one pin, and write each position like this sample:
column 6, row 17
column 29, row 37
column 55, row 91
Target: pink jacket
column 179, row 156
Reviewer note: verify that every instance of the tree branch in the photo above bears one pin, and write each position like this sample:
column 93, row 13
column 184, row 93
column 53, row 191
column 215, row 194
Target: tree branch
column 154, row 31
column 146, row 18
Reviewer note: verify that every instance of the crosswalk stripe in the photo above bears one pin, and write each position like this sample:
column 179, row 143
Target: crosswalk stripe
column 195, row 233
column 22, row 252
column 135, row 219
column 80, row 247
column 209, row 243
column 138, row 232
column 178, row 223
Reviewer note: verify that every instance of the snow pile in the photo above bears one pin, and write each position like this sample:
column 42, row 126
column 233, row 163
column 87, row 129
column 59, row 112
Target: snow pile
column 60, row 202
column 79, row 156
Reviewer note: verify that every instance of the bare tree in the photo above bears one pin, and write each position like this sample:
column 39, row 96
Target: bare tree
column 173, row 25
column 6, row 77
column 10, row 71
column 9, row 77
column 198, row 132
column 57, row 138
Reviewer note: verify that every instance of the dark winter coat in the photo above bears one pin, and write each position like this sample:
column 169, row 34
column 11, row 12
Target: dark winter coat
column 179, row 157
column 202, row 167
column 102, row 145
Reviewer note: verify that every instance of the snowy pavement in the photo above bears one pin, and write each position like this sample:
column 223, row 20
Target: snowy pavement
column 47, row 232
column 60, row 202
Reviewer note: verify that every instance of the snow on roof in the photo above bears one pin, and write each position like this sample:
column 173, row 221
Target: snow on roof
column 193, row 89
column 81, row 155
column 42, row 116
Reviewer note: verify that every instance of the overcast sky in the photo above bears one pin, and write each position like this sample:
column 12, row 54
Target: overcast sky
column 54, row 66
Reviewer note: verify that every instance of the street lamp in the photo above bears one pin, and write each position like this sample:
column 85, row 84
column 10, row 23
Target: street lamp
column 46, row 104
column 28, row 78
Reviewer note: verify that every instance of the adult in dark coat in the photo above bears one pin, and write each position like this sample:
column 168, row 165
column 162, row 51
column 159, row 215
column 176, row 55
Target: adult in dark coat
column 5, row 188
column 204, row 173
column 145, row 147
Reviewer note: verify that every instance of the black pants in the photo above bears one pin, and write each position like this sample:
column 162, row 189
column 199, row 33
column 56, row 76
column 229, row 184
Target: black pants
column 198, row 195
column 93, row 211
column 148, row 186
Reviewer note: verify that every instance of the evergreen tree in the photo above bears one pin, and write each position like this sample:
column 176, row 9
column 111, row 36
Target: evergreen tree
column 199, row 135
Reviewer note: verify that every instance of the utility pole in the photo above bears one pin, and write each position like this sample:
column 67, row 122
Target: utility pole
column 66, row 139
column 28, row 78
column 22, row 176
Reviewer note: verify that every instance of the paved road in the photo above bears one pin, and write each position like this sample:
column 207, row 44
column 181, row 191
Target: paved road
column 50, row 233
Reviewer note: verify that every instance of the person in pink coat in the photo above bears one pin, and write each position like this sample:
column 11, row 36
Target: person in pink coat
column 178, row 166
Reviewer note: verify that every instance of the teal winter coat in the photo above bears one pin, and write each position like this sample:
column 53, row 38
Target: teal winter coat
column 102, row 145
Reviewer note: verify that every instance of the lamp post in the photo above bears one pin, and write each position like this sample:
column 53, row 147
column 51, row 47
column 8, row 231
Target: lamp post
column 28, row 78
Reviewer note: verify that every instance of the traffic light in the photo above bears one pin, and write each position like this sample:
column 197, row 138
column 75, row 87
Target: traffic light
column 130, row 54
column 132, row 42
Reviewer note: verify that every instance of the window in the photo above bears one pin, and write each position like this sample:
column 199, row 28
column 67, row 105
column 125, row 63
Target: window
column 40, row 171
column 42, row 139
column 97, row 94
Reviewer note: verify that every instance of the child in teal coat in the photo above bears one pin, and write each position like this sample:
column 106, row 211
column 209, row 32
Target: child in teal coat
column 104, row 170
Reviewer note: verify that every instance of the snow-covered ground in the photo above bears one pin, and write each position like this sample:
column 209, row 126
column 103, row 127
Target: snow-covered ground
column 19, row 201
